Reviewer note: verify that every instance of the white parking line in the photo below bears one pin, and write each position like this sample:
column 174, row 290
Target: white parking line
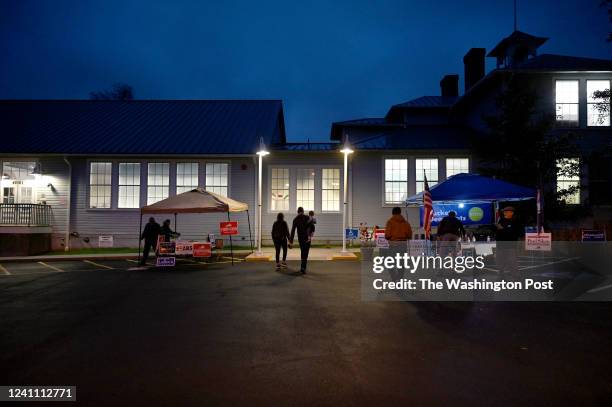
column 4, row 271
column 52, row 267
column 548, row 264
column 605, row 287
column 98, row 264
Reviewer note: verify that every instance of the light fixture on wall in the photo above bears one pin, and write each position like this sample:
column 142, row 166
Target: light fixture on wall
column 37, row 170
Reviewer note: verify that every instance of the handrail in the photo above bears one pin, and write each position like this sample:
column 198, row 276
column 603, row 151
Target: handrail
column 22, row 214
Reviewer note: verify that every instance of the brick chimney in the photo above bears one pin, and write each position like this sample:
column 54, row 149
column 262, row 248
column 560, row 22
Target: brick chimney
column 474, row 63
column 449, row 85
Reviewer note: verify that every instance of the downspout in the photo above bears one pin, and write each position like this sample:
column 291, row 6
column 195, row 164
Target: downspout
column 68, row 205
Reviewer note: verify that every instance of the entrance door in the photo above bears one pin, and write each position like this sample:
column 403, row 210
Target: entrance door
column 17, row 194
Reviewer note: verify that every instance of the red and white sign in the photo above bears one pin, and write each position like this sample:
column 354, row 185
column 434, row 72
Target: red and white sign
column 202, row 249
column 538, row 241
column 228, row 228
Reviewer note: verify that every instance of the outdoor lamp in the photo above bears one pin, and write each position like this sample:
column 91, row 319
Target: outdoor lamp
column 261, row 153
column 346, row 150
column 36, row 170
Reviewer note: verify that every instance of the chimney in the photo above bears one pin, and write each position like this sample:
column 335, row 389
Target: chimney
column 474, row 63
column 449, row 85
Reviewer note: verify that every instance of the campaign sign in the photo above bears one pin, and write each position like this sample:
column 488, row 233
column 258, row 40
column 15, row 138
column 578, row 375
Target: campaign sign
column 381, row 242
column 105, row 241
column 468, row 214
column 350, row 233
column 183, row 248
column 202, row 249
column 538, row 241
column 166, row 248
column 593, row 235
column 228, row 228
column 166, row 262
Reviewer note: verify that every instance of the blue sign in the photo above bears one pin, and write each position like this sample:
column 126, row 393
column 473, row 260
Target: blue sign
column 593, row 235
column 166, row 261
column 351, row 234
column 468, row 214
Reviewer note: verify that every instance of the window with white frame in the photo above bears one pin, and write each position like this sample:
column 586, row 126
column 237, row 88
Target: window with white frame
column 457, row 166
column 598, row 102
column 396, row 180
column 100, row 182
column 158, row 182
column 566, row 102
column 129, row 185
column 330, row 190
column 426, row 167
column 217, row 178
column 280, row 189
column 186, row 177
column 305, row 180
column 568, row 180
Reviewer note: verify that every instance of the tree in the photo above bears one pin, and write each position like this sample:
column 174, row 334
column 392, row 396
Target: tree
column 608, row 4
column 119, row 91
column 519, row 147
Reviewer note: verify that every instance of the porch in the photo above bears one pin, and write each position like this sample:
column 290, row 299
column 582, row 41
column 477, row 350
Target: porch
column 25, row 229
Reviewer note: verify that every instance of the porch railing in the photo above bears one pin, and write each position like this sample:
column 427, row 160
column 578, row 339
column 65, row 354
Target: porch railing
column 25, row 214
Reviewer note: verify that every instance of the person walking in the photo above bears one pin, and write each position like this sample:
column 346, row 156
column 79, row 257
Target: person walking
column 397, row 228
column 303, row 225
column 167, row 232
column 509, row 231
column 280, row 237
column 450, row 230
column 313, row 222
column 149, row 235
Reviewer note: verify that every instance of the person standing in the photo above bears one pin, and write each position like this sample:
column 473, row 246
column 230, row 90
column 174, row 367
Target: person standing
column 313, row 222
column 397, row 228
column 509, row 231
column 167, row 232
column 450, row 230
column 149, row 235
column 303, row 225
column 280, row 236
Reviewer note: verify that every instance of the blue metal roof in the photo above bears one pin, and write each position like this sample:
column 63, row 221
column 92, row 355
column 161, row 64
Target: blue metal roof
column 429, row 101
column 181, row 127
column 306, row 147
column 417, row 138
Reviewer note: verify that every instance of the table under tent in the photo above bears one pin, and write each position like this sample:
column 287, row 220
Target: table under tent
column 196, row 201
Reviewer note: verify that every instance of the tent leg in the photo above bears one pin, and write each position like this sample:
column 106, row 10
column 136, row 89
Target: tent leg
column 231, row 243
column 139, row 235
column 175, row 225
column 250, row 236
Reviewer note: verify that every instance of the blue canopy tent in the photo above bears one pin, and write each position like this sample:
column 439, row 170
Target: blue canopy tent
column 474, row 188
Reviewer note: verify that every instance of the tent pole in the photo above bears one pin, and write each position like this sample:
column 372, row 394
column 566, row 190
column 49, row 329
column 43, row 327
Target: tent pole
column 250, row 236
column 231, row 243
column 139, row 235
column 175, row 225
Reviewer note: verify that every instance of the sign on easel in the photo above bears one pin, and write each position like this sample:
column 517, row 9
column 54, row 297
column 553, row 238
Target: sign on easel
column 228, row 228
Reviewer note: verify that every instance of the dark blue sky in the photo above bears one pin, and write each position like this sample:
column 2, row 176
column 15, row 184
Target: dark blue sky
column 327, row 60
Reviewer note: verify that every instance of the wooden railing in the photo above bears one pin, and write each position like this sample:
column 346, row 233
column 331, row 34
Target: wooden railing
column 25, row 214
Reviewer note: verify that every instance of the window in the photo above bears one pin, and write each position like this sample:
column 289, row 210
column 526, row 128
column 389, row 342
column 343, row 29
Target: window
column 568, row 180
column 280, row 189
column 330, row 190
column 158, row 182
column 426, row 167
column 217, row 178
column 598, row 103
column 129, row 185
column 186, row 177
column 305, row 188
column 456, row 166
column 18, row 170
column 566, row 98
column 396, row 180
column 100, row 184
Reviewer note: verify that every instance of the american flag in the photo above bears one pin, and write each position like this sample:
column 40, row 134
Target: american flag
column 428, row 212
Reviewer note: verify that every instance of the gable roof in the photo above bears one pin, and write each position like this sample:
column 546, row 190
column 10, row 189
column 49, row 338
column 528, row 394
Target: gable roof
column 552, row 62
column 428, row 101
column 517, row 37
column 187, row 127
column 337, row 127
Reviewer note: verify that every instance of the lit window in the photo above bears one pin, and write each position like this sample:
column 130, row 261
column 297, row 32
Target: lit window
column 186, row 177
column 456, row 166
column 330, row 190
column 426, row 167
column 305, row 188
column 100, row 184
column 217, row 178
column 158, row 182
column 568, row 180
column 18, row 170
column 598, row 103
column 129, row 185
column 396, row 180
column 280, row 189
column 566, row 98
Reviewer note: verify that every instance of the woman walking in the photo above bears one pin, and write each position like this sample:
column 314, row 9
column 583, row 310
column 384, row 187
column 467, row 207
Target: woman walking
column 280, row 236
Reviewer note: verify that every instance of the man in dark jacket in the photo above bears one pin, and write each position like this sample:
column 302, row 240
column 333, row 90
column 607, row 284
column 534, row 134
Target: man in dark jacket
column 303, row 225
column 509, row 230
column 450, row 231
column 149, row 235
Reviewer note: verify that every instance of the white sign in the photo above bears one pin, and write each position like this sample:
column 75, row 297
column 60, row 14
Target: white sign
column 381, row 242
column 183, row 248
column 105, row 241
column 538, row 241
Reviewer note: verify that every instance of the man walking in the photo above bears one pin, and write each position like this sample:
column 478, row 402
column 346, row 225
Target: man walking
column 450, row 230
column 303, row 225
column 509, row 231
column 149, row 235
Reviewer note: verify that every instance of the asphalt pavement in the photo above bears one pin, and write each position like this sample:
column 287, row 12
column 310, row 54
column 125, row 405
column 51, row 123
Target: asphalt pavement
column 217, row 334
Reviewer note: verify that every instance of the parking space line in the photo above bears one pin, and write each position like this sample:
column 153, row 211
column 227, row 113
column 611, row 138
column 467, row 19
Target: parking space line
column 4, row 271
column 51, row 267
column 605, row 287
column 98, row 264
column 133, row 261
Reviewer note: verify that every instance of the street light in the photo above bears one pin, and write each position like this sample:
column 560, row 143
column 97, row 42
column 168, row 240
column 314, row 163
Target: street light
column 261, row 153
column 346, row 150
